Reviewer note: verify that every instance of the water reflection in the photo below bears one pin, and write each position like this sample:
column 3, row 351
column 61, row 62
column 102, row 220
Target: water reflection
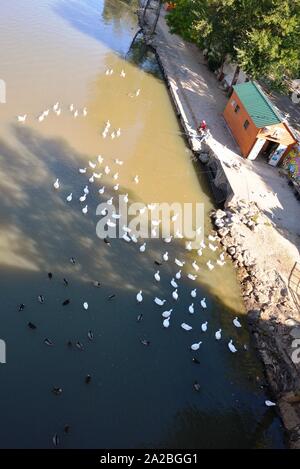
column 139, row 395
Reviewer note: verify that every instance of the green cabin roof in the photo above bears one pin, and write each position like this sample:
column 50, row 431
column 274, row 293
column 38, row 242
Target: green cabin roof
column 257, row 104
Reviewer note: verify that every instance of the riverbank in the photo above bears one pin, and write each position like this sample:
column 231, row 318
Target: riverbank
column 259, row 228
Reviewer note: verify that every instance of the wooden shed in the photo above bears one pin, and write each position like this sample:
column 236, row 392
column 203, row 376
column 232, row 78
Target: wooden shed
column 257, row 127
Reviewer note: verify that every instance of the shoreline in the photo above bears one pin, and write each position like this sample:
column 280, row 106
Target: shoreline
column 272, row 313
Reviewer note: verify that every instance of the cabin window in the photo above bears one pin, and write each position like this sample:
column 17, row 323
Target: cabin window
column 246, row 124
column 237, row 108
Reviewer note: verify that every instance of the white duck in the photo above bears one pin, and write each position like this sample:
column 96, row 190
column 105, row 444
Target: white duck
column 107, row 169
column 101, row 190
column 125, row 198
column 173, row 283
column 168, row 239
column 270, row 403
column 188, row 246
column 231, row 347
column 22, row 118
column 159, row 302
column 212, row 238
column 143, row 247
column 212, row 247
column 204, row 326
column 116, row 176
column 136, row 179
column 84, row 112
column 167, row 314
column 139, row 296
column 109, row 201
column 133, row 238
column 191, row 309
column 82, row 170
column 236, row 322
column 166, row 322
column 166, row 256
column 179, row 263
column 82, row 198
column 69, row 198
column 119, row 162
column 157, row 276
column 175, row 295
column 86, row 190
column 194, row 293
column 86, row 305
column 92, row 165
column 203, row 303
column 85, row 209
column 56, row 184
column 210, row 265
column 196, row 346
column 195, row 266
column 116, row 187
column 100, row 159
column 118, row 133
column 126, row 238
column 178, row 275
column 192, row 277
column 186, row 326
column 55, row 106
column 218, row 334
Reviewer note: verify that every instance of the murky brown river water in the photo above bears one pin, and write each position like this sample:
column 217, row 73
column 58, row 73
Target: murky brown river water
column 57, row 50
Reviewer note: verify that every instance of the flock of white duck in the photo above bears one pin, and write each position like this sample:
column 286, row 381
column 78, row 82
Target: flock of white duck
column 95, row 171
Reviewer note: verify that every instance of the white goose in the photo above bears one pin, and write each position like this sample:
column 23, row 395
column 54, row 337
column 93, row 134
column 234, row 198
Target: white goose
column 107, row 169
column 202, row 245
column 122, row 74
column 173, row 283
column 212, row 238
column 116, row 187
column 199, row 252
column 196, row 346
column 133, row 238
column 178, row 275
column 231, row 347
column 159, row 302
column 186, row 326
column 188, row 246
column 157, row 276
column 82, row 198
column 84, row 112
column 82, row 170
column 126, row 238
column 56, row 184
column 85, row 209
column 166, row 256
column 203, row 303
column 116, row 176
column 167, row 314
column 125, row 198
column 191, row 309
column 136, row 179
column 195, row 266
column 55, row 106
column 119, row 162
column 220, row 263
column 69, row 198
column 194, row 293
column 139, row 296
column 109, row 201
column 86, row 305
column 97, row 175
column 218, row 334
column 91, row 179
column 100, row 159
column 204, row 326
column 212, row 247
column 118, row 133
column 92, row 165
column 104, row 212
column 101, row 190
column 168, row 239
column 86, row 190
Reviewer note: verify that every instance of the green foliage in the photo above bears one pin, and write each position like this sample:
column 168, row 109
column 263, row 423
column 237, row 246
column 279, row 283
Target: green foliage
column 262, row 36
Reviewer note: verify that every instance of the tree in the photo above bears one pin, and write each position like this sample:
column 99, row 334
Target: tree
column 261, row 36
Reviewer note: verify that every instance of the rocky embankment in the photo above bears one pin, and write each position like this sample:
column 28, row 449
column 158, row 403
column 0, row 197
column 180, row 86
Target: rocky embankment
column 272, row 313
